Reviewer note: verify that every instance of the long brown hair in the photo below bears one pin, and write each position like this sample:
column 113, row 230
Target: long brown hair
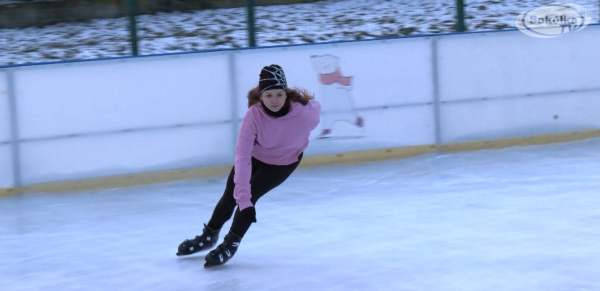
column 293, row 94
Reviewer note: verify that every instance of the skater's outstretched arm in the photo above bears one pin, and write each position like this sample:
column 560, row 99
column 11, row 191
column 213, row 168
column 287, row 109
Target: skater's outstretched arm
column 243, row 162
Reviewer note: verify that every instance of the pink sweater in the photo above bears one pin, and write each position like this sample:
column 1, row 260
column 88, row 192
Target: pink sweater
column 275, row 141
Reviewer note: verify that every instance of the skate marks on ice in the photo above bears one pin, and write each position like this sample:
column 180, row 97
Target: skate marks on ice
column 339, row 118
column 511, row 219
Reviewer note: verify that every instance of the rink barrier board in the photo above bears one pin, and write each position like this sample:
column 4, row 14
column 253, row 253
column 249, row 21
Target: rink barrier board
column 133, row 180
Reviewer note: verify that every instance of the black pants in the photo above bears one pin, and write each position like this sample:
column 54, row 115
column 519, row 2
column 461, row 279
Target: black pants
column 264, row 178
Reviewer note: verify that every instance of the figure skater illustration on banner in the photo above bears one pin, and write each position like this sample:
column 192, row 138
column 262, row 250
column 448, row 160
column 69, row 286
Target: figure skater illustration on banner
column 339, row 118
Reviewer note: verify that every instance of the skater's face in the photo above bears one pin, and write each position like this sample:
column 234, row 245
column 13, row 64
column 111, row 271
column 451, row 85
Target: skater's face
column 274, row 99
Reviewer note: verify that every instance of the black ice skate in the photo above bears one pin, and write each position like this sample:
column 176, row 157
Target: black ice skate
column 208, row 239
column 223, row 252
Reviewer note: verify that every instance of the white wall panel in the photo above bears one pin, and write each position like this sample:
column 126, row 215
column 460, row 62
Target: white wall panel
column 110, row 95
column 107, row 155
column 6, row 171
column 511, row 63
column 519, row 117
column 4, row 108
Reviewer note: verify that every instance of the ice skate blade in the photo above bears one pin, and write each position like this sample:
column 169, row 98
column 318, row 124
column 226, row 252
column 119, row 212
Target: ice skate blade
column 210, row 266
column 182, row 255
column 185, row 255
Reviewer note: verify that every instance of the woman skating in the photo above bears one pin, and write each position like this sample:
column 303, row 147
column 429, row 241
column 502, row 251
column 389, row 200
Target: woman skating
column 271, row 142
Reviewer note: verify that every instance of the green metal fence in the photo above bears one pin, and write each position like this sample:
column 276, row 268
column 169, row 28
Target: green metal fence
column 83, row 29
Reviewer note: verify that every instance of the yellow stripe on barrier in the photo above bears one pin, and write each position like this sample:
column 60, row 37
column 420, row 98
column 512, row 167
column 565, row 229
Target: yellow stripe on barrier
column 367, row 156
column 520, row 141
column 4, row 192
column 309, row 161
column 122, row 181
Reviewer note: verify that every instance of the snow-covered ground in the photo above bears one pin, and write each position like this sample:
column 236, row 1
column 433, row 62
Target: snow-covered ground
column 511, row 219
column 7, row 2
column 322, row 21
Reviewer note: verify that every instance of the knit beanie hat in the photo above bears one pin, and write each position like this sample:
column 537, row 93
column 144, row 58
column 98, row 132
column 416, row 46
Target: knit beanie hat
column 272, row 77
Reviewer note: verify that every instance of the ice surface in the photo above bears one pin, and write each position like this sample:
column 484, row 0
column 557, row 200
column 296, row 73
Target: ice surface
column 511, row 219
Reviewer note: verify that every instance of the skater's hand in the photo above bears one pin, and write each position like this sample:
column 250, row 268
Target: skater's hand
column 249, row 214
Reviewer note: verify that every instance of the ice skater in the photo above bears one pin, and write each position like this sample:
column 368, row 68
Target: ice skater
column 271, row 142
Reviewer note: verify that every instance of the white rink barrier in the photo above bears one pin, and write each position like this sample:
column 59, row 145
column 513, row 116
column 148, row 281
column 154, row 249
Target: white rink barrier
column 179, row 114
